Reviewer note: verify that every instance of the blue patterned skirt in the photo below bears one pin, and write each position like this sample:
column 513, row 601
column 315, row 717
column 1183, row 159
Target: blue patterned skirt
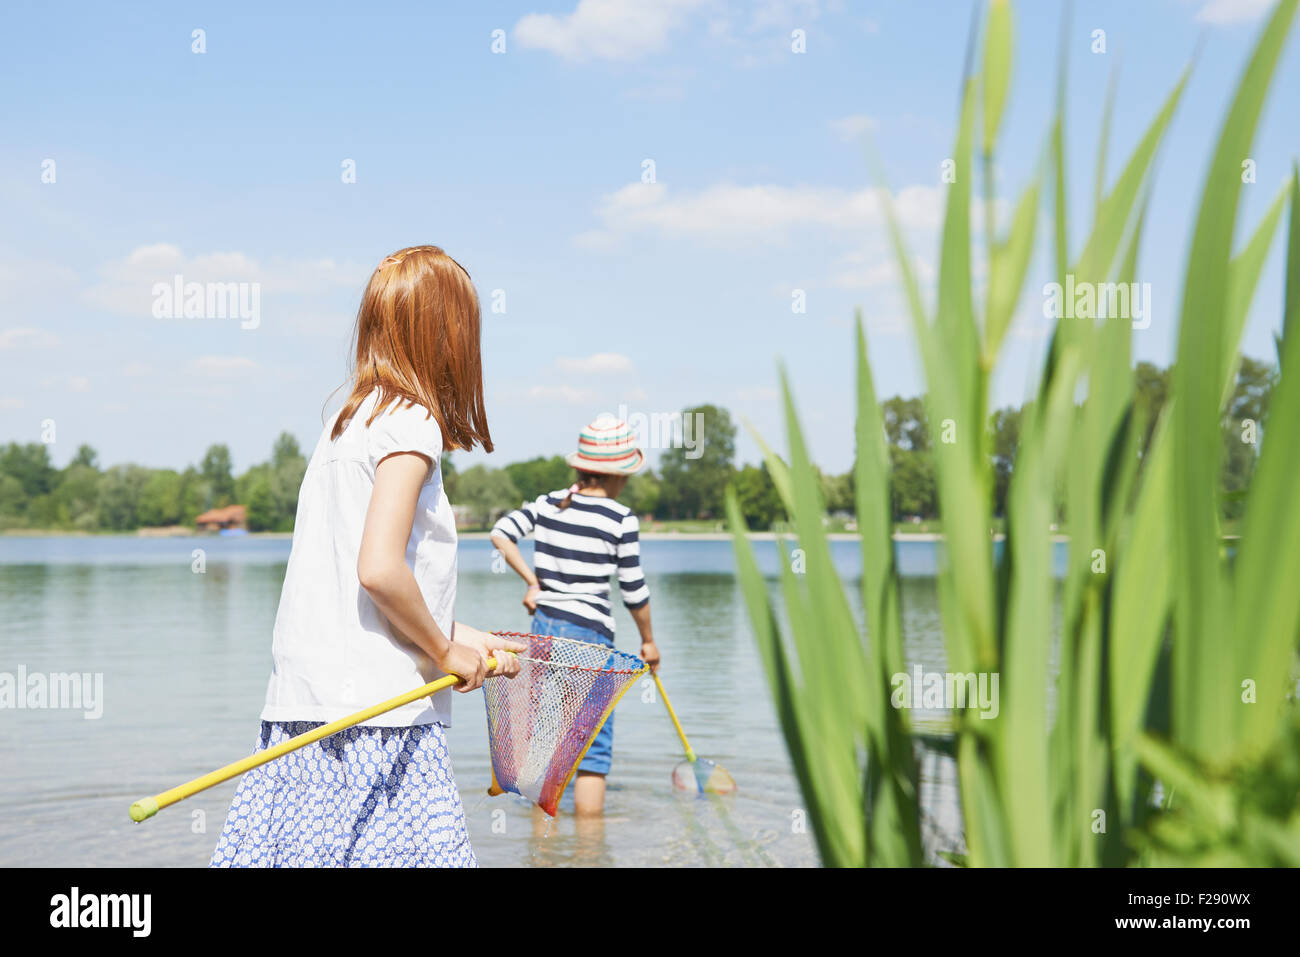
column 364, row 797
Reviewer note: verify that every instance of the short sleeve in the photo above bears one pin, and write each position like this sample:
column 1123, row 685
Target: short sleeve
column 404, row 429
column 631, row 580
column 521, row 522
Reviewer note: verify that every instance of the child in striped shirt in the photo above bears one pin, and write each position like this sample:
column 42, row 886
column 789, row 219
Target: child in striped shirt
column 583, row 535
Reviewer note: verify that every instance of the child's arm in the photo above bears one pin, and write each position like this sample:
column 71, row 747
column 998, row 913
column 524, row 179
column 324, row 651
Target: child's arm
column 505, row 534
column 515, row 559
column 649, row 650
column 631, row 584
column 391, row 585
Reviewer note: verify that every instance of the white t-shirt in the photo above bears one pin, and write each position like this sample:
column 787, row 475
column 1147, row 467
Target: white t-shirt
column 334, row 651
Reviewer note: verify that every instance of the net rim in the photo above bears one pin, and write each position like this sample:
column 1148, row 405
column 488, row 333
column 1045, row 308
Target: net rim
column 573, row 641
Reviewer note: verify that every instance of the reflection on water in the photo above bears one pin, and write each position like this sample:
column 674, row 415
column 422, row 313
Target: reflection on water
column 185, row 658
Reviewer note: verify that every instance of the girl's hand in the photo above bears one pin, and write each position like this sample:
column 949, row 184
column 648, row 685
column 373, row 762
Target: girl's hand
column 650, row 655
column 467, row 663
column 530, row 598
column 507, row 665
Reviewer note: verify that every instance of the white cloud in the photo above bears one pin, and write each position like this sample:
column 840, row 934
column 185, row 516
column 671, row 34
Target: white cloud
column 1224, row 12
column 882, row 274
column 157, row 256
column 668, row 86
column 605, row 29
column 224, row 366
column 30, row 281
column 761, row 213
column 329, row 323
column 561, row 393
column 851, row 128
column 302, row 276
column 597, row 364
column 783, row 14
column 76, row 383
column 136, row 369
column 885, row 323
column 8, row 404
column 666, row 92
column 126, row 285
column 595, row 239
column 27, row 337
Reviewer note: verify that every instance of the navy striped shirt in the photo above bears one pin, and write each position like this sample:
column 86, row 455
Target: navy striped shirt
column 578, row 549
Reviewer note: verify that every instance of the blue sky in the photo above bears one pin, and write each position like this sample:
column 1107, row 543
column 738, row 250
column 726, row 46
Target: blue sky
column 527, row 167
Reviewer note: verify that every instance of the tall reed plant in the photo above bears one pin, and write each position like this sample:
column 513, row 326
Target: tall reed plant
column 1160, row 728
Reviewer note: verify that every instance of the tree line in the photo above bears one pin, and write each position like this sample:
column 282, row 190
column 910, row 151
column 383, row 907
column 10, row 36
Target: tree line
column 83, row 497
column 688, row 484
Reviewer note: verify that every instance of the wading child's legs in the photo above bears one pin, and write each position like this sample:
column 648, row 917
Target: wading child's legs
column 588, row 793
column 589, row 783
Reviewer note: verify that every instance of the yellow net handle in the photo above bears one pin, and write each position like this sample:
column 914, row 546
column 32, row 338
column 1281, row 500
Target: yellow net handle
column 146, row 808
column 690, row 752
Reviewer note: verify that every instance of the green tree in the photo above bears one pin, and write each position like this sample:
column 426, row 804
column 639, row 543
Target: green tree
column 258, row 495
column 912, row 483
column 905, row 423
column 244, row 483
column 215, row 469
column 86, row 456
column 27, row 501
column 285, row 450
column 1151, row 387
column 30, row 465
column 288, row 466
column 78, row 494
column 694, row 474
column 540, row 475
column 13, row 503
column 1243, row 423
column 837, row 492
column 160, row 498
column 120, row 490
column 1004, row 428
column 759, row 501
column 194, row 496
column 642, row 492
column 487, row 492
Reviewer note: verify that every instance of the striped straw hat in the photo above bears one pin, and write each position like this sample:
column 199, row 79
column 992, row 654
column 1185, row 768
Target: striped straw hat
column 608, row 445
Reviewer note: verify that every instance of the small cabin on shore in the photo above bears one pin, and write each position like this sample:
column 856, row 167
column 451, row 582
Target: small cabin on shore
column 220, row 519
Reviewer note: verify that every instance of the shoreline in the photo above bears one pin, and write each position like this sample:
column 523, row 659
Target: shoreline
column 483, row 536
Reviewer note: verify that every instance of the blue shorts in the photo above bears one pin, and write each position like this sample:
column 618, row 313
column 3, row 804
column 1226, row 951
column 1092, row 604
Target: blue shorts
column 599, row 756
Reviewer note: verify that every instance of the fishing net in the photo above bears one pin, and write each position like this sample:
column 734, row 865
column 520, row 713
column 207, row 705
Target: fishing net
column 703, row 776
column 541, row 722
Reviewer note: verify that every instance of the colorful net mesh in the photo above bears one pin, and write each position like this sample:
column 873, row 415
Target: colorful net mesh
column 541, row 722
column 703, row 777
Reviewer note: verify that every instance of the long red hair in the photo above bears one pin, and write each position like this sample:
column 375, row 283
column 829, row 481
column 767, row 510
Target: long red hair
column 417, row 341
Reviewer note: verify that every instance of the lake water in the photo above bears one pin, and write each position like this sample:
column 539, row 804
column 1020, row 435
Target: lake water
column 185, row 659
